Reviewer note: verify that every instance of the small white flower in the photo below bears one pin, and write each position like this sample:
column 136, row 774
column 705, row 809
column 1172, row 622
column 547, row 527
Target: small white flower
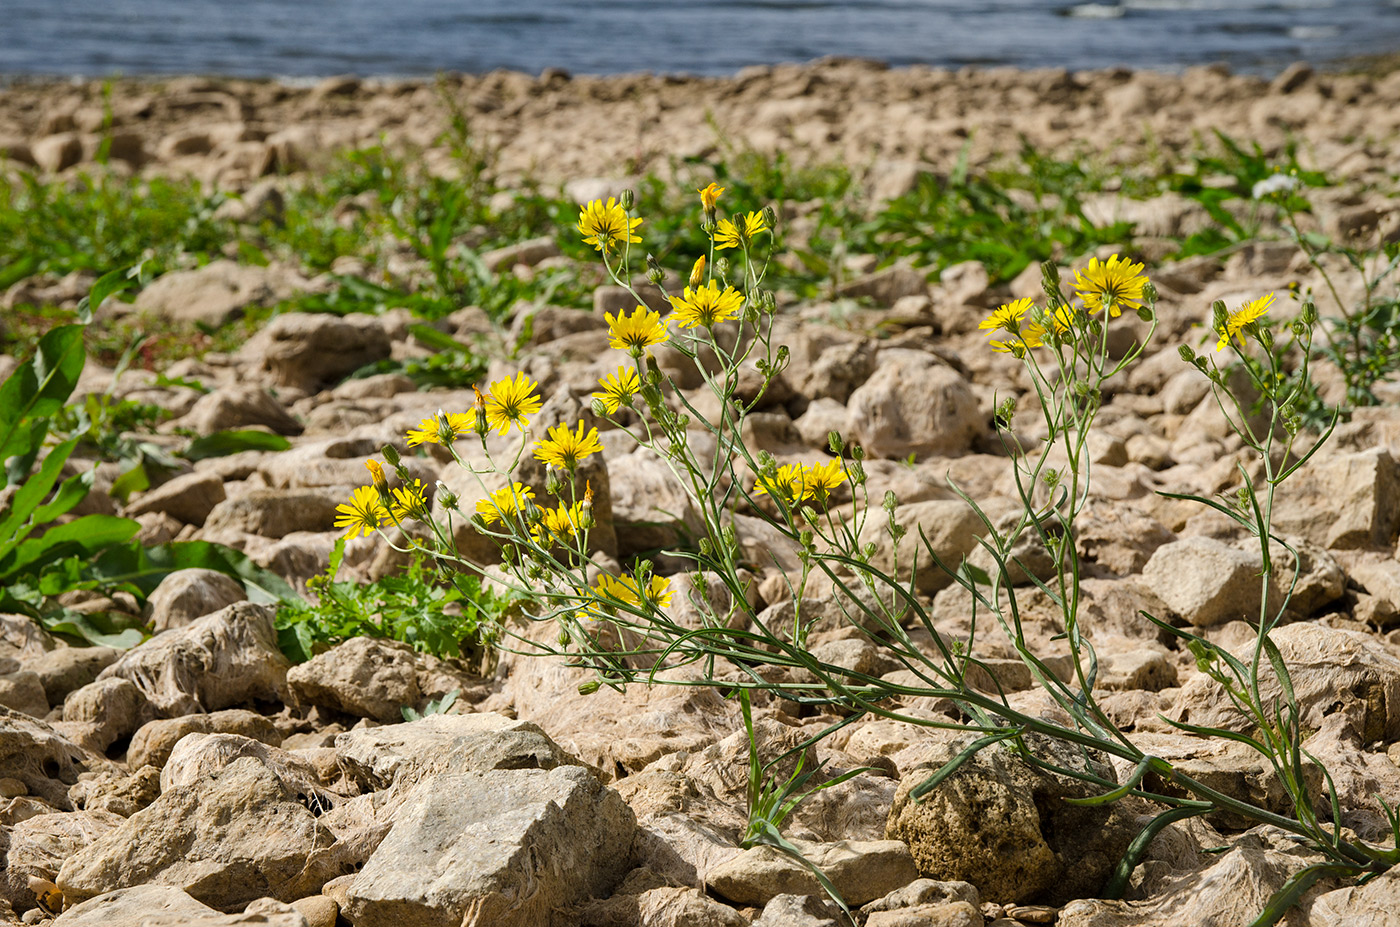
column 1278, row 183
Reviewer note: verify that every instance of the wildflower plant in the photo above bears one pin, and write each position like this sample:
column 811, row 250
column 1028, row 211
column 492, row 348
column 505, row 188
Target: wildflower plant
column 624, row 625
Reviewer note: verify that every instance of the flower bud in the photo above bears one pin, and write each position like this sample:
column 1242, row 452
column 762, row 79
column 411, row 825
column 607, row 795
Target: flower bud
column 482, row 426
column 589, row 687
column 1308, row 313
column 1050, row 274
column 722, row 266
column 697, row 271
column 835, row 442
column 629, row 199
column 598, row 408
column 446, row 497
column 891, row 501
column 1186, row 353
column 1146, row 314
column 391, row 454
column 857, row 452
column 551, row 479
column 1219, row 315
column 770, row 217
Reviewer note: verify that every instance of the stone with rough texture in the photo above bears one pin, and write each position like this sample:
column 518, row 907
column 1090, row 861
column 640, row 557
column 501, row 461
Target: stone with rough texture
column 35, row 754
column 1343, row 502
column 276, row 513
column 311, row 351
column 223, row 660
column 237, row 408
column 403, row 754
column 189, row 498
column 509, row 848
column 951, row 528
column 68, row 668
column 1205, row 581
column 364, row 676
column 914, row 404
column 861, row 871
column 23, row 691
column 152, row 743
column 39, row 846
column 799, row 911
column 101, row 713
column 660, row 907
column 186, row 595
column 226, row 839
column 953, row 914
column 114, row 791
column 217, row 293
column 1002, row 825
column 167, row 906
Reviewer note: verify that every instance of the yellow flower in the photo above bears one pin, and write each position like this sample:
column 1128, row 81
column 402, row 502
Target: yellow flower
column 565, row 449
column 706, row 306
column 444, row 428
column 376, row 473
column 409, row 502
column 511, row 400
column 820, row 480
column 789, row 482
column 618, row 388
column 505, row 501
column 1063, row 319
column 1251, row 311
column 697, row 271
column 1007, row 318
column 733, row 234
column 601, row 225
column 363, row 513
column 635, row 332
column 709, row 195
column 559, row 524
column 1032, row 336
column 1118, row 283
column 624, row 589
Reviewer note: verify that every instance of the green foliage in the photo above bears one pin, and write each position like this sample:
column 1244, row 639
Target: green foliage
column 43, row 554
column 457, row 619
column 437, row 706
column 969, row 217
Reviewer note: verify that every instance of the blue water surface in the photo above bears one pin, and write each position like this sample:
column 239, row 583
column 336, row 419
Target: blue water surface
column 309, row 38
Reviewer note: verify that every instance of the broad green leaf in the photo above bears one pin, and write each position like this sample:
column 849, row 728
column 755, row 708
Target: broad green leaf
column 81, row 537
column 133, row 480
column 31, row 494
column 40, row 386
column 109, row 283
column 96, row 628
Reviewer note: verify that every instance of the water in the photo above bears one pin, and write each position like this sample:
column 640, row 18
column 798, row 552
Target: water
column 308, row 38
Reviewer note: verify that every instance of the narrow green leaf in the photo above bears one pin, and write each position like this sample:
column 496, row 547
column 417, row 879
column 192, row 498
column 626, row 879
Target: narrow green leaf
column 1285, row 680
column 1131, row 783
column 430, row 337
column 1295, row 888
column 953, row 765
column 223, row 443
column 109, row 283
column 1118, row 882
column 29, row 496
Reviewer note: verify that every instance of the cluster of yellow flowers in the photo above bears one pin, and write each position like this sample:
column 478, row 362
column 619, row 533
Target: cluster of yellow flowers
column 375, row 505
column 1114, row 285
column 797, row 483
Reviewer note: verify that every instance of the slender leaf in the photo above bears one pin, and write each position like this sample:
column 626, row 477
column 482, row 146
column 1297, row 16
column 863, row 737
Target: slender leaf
column 952, row 766
column 1118, row 882
column 1295, row 888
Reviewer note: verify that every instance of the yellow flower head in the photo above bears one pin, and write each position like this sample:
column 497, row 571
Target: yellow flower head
column 1032, row 336
column 709, row 195
column 443, row 428
column 789, row 483
column 510, row 401
column 618, row 388
column 601, row 225
column 364, row 512
column 635, row 332
column 697, row 271
column 706, row 306
column 559, row 524
column 1251, row 311
column 1117, row 283
column 505, row 501
column 1007, row 318
column 624, row 589
column 1064, row 319
column 820, row 480
column 409, row 502
column 376, row 472
column 565, row 449
column 732, row 234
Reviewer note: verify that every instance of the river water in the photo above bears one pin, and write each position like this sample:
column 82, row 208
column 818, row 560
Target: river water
column 309, row 38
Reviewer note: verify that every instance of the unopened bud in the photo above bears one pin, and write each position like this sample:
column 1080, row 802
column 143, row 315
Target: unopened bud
column 391, row 454
column 589, row 687
column 857, row 452
column 551, row 479
column 1308, row 313
column 770, row 217
column 1186, row 353
column 1050, row 273
column 1219, row 315
column 629, row 199
column 835, row 442
column 697, row 271
column 891, row 501
column 1146, row 314
column 446, row 497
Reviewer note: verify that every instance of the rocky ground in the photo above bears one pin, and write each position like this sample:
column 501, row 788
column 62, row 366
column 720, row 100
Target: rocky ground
column 201, row 779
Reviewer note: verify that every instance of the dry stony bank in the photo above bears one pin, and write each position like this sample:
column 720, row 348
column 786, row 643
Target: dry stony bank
column 200, row 779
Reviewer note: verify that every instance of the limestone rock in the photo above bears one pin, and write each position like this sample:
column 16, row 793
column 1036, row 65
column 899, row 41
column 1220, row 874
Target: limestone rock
column 371, row 678
column 1343, row 502
column 186, row 595
column 227, row 839
column 189, row 497
column 115, row 791
column 166, row 906
column 950, row 526
column 23, row 691
column 914, row 404
column 1205, row 581
column 512, row 847
column 403, row 754
column 223, row 660
column 276, row 513
column 311, row 351
column 103, row 712
column 45, row 762
column 799, row 911
column 217, row 293
column 239, row 407
column 861, row 871
column 152, row 743
column 1002, row 826
column 68, row 668
column 660, row 907
column 39, row 846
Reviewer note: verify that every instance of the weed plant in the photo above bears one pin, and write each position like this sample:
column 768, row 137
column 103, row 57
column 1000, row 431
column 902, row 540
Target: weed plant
column 626, row 628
